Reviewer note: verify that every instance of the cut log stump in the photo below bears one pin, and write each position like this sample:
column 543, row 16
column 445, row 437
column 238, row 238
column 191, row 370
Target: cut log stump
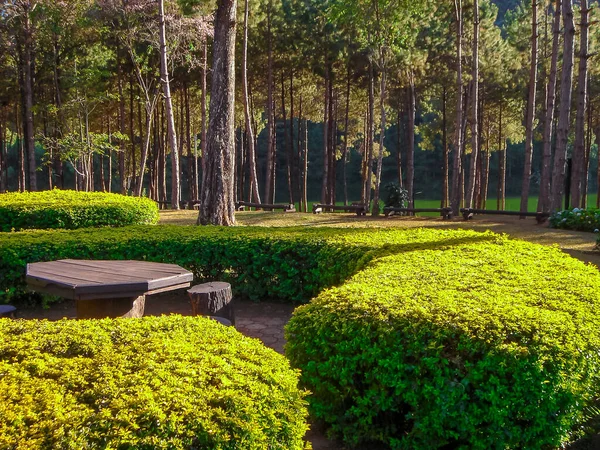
column 212, row 299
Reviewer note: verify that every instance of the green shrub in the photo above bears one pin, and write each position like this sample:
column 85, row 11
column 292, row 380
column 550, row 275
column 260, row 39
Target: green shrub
column 475, row 345
column 289, row 265
column 576, row 219
column 71, row 210
column 154, row 383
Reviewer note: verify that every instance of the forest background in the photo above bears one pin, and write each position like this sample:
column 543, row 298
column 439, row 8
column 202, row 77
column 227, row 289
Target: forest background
column 81, row 102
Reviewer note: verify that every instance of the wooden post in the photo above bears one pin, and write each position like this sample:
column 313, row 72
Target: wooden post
column 212, row 299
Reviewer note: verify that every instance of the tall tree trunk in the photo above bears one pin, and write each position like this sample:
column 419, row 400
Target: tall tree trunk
column 217, row 205
column 331, row 150
column 370, row 137
column 474, row 108
column 291, row 153
column 544, row 197
column 132, row 162
column 325, row 182
column 203, row 103
column 382, row 97
column 562, row 131
column 28, row 126
column 345, row 151
column 579, row 174
column 122, row 175
column 588, row 150
column 249, row 131
column 271, row 144
column 530, row 111
column 172, row 137
column 446, row 161
column 305, row 170
column 191, row 161
column 410, row 153
column 286, row 141
column 456, row 163
column 399, row 134
column 501, row 166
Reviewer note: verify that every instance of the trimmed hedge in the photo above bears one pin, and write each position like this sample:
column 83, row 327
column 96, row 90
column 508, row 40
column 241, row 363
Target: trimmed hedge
column 478, row 345
column 290, row 265
column 576, row 219
column 441, row 338
column 153, row 383
column 71, row 210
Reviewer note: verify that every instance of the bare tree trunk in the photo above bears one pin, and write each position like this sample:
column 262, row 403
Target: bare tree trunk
column 579, row 175
column 325, row 182
column 249, row 131
column 530, row 111
column 446, row 162
column 305, row 176
column 122, row 176
column 28, row 126
column 382, row 97
column 172, row 136
column 271, row 147
column 399, row 133
column 456, row 164
column 501, row 166
column 410, row 153
column 345, row 151
column 369, row 137
column 544, row 197
column 588, row 150
column 562, row 131
column 217, row 205
column 474, row 108
column 331, row 150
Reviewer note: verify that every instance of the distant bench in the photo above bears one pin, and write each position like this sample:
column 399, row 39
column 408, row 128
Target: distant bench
column 358, row 208
column 190, row 204
column 446, row 213
column 540, row 217
column 240, row 206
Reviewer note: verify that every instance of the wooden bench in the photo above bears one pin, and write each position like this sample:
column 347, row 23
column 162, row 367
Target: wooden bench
column 540, row 217
column 446, row 213
column 190, row 204
column 358, row 208
column 241, row 206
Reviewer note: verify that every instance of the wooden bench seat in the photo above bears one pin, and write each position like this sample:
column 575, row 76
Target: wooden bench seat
column 468, row 213
column 241, row 206
column 446, row 213
column 358, row 208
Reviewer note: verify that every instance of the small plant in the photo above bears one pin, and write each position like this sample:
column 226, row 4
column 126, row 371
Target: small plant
column 577, row 219
column 396, row 196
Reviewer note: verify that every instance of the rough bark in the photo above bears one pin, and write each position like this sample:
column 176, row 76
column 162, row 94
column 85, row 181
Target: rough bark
column 249, row 131
column 382, row 97
column 345, row 151
column 271, row 148
column 369, row 137
column 172, row 137
column 562, row 130
column 474, row 109
column 212, row 299
column 399, row 133
column 526, row 182
column 445, row 164
column 579, row 172
column 501, row 167
column 28, row 125
column 544, row 197
column 305, row 170
column 217, row 205
column 456, row 160
column 324, row 184
column 203, row 103
column 410, row 151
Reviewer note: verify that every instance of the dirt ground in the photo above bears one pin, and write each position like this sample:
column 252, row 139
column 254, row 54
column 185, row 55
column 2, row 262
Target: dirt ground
column 265, row 320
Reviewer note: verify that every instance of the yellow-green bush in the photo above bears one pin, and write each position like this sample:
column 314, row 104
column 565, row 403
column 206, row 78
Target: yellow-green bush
column 151, row 383
column 477, row 345
column 432, row 339
column 71, row 210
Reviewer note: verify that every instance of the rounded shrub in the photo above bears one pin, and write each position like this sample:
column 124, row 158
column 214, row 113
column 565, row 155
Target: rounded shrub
column 71, row 210
column 153, row 383
column 482, row 344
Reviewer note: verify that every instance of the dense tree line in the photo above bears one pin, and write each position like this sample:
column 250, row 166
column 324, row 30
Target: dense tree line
column 333, row 99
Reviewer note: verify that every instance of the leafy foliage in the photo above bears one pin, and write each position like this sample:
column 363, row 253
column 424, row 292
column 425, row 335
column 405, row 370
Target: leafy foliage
column 396, row 196
column 156, row 382
column 70, row 210
column 576, row 219
column 476, row 341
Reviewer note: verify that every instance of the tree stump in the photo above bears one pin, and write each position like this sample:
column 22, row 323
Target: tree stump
column 212, row 299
